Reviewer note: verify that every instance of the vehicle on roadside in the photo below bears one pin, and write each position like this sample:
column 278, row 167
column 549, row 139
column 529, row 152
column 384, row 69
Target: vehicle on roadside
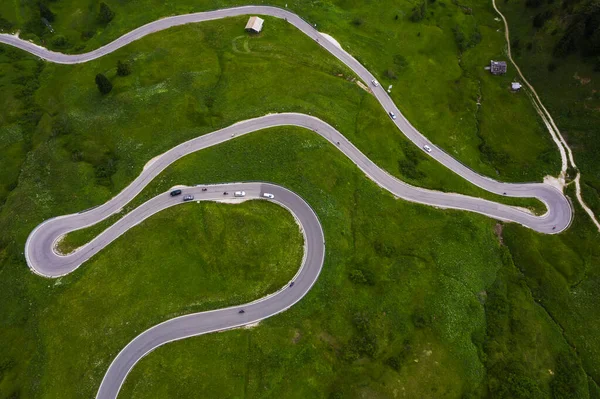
column 392, row 115
column 225, row 193
column 239, row 194
column 375, row 83
column 175, row 192
column 204, row 189
column 267, row 195
column 188, row 197
column 427, row 148
column 292, row 284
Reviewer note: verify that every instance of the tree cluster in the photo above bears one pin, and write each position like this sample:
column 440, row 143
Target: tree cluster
column 396, row 361
column 46, row 13
column 104, row 84
column 582, row 33
column 362, row 276
column 364, row 343
column 462, row 41
column 533, row 3
column 540, row 19
column 5, row 25
column 419, row 11
column 106, row 14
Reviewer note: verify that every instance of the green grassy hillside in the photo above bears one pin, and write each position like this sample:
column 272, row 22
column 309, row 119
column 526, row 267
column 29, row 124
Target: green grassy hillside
column 412, row 301
column 435, row 65
column 568, row 81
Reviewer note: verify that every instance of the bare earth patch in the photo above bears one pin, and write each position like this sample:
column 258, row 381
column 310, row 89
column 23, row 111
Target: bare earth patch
column 363, row 86
column 498, row 232
column 325, row 337
column 581, row 80
column 297, row 337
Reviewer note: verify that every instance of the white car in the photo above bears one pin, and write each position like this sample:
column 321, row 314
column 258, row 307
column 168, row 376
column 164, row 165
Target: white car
column 392, row 115
column 427, row 148
column 239, row 194
column 375, row 83
column 267, row 195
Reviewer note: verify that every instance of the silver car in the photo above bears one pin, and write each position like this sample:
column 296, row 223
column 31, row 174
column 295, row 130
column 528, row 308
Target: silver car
column 188, row 197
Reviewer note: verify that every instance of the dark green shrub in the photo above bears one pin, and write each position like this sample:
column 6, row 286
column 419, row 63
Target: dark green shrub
column 5, row 25
column 60, row 41
column 357, row 277
column 390, row 74
column 418, row 12
column 421, row 319
column 540, row 19
column 358, row 21
column 46, row 13
column 103, row 84
column 123, row 68
column 106, row 14
column 394, row 363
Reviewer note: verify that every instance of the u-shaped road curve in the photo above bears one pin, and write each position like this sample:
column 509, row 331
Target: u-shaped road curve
column 555, row 201
column 42, row 259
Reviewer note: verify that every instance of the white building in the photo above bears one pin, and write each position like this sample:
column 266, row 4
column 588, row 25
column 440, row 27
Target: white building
column 254, row 24
column 515, row 86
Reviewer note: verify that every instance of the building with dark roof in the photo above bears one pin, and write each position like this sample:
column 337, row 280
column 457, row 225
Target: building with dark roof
column 498, row 67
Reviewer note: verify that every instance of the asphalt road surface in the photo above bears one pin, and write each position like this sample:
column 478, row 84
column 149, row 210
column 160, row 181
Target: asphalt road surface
column 557, row 203
column 222, row 319
column 42, row 259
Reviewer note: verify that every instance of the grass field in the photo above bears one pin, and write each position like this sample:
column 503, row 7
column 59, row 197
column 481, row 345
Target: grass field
column 412, row 300
column 422, row 281
column 438, row 82
column 570, row 90
column 224, row 255
column 568, row 87
column 422, row 267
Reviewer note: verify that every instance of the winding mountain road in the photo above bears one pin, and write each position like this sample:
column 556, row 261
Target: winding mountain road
column 43, row 260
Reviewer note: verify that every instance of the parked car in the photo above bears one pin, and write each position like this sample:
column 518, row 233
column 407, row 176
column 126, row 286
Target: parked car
column 188, row 197
column 427, row 148
column 175, row 192
column 392, row 115
column 267, row 195
column 239, row 194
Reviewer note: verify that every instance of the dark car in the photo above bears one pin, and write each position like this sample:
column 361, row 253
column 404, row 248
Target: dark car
column 175, row 192
column 241, row 311
column 292, row 284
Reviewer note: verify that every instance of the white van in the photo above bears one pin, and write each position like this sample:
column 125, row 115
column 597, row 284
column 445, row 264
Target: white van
column 239, row 194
